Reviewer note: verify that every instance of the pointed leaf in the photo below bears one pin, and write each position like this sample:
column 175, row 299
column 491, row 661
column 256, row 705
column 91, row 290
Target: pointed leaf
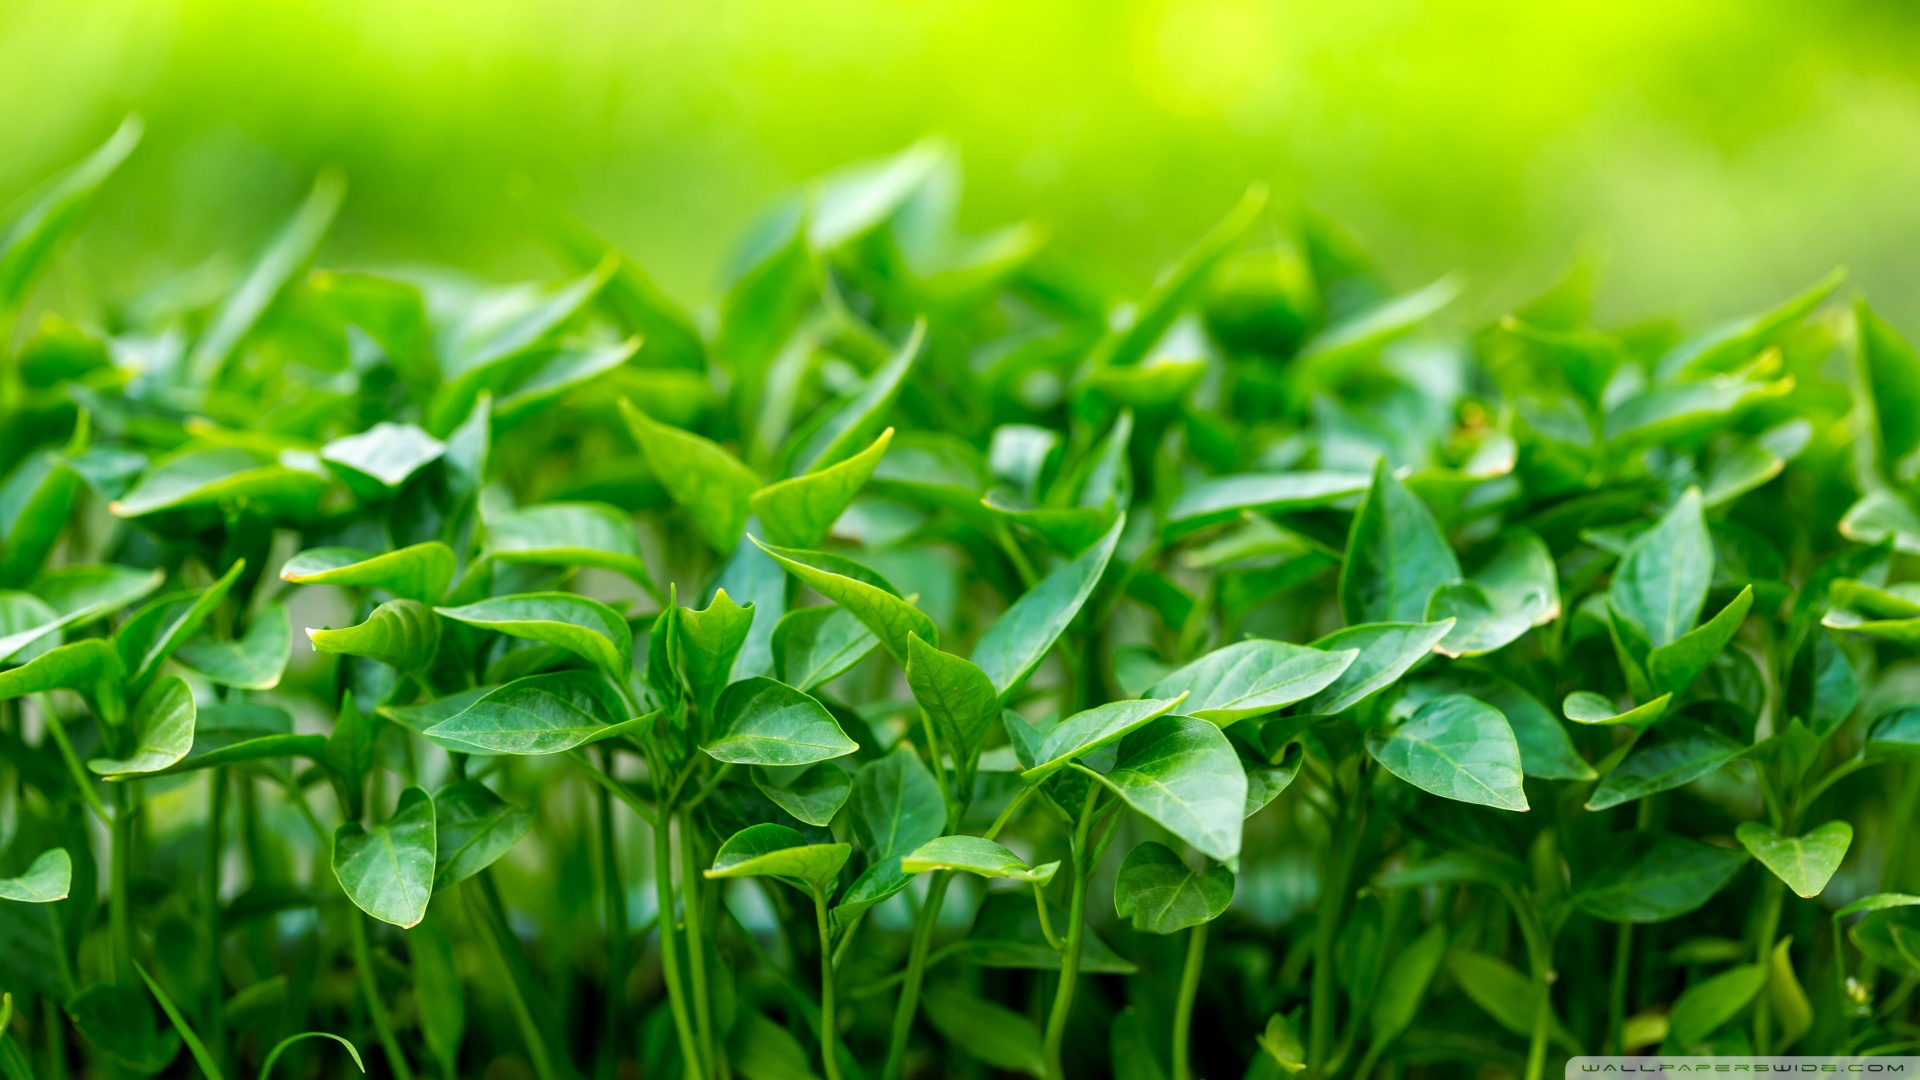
column 401, row 633
column 1084, row 732
column 710, row 484
column 975, row 855
column 1662, row 580
column 221, row 475
column 1387, row 651
column 1587, row 707
column 568, row 534
column 811, row 793
column 1806, row 862
column 864, row 594
column 1162, row 896
column 387, row 871
column 1252, row 678
column 1649, row 877
column 990, row 1033
column 1018, row 640
column 779, row 852
column 763, row 722
column 1707, row 1006
column 421, row 572
column 1224, row 498
column 152, row 634
column 540, row 714
column 78, row 666
column 956, row 695
column 1185, row 775
column 1457, row 748
column 472, row 828
column 897, row 805
column 1675, row 754
column 859, row 421
column 254, row 662
column 1396, row 555
column 48, row 878
column 1675, row 665
column 584, row 627
column 27, row 243
column 797, row 513
column 285, row 256
column 815, row 645
column 707, row 642
column 162, row 727
column 381, row 458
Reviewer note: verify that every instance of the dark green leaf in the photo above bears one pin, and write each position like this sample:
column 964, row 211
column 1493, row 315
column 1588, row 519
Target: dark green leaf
column 813, row 646
column 1677, row 753
column 959, row 698
column 1018, row 640
column 1675, row 665
column 1707, row 1006
column 811, row 793
column 1387, row 651
column 1163, row 896
column 472, row 828
column 990, row 1033
column 1457, row 748
column 1649, row 877
column 1662, row 580
column 1396, row 555
column 254, row 662
column 161, row 730
column 1182, row 773
column 1224, row 498
column 1084, row 732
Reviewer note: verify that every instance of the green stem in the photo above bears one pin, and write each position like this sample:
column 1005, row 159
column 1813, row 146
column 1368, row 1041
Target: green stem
column 1183, row 1008
column 909, row 1003
column 696, row 940
column 1076, row 939
column 1320, row 1010
column 119, row 869
column 81, row 780
column 1772, row 897
column 370, row 989
column 489, row 918
column 1617, row 989
column 670, row 945
column 829, row 1017
column 1906, row 806
column 613, row 896
column 213, row 1021
column 1540, row 961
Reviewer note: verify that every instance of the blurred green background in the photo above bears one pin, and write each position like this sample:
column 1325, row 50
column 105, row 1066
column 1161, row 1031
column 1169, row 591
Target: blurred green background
column 1715, row 153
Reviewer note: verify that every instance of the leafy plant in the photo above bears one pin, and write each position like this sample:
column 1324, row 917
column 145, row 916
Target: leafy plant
column 934, row 664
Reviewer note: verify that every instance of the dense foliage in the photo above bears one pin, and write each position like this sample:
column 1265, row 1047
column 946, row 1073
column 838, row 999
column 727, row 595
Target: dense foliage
column 933, row 665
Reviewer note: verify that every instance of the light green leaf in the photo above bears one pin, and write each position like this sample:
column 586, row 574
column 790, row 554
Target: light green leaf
column 1158, row 891
column 760, row 1049
column 711, row 485
column 587, row 628
column 815, row 645
column 897, row 805
column 568, row 534
column 402, row 633
column 779, row 852
column 957, row 696
column 220, row 475
column 1179, row 286
column 153, row 633
column 1185, row 775
column 1387, row 651
column 1252, row 678
column 707, row 642
column 254, row 662
column 387, row 871
column 162, row 730
column 421, row 572
column 1707, row 1006
column 1587, row 707
column 1377, row 325
column 1225, row 498
column 1675, row 754
column 1084, row 732
column 1018, row 640
column 1396, row 555
column 859, row 421
column 1457, row 748
column 540, row 714
column 1806, row 862
column 72, row 596
column 1675, row 665
column 764, row 722
column 864, row 594
column 381, row 458
column 472, row 828
column 1883, row 515
column 1662, row 580
column 285, row 256
column 28, row 242
column 48, row 878
column 1890, row 387
column 1737, row 341
column 811, row 793
column 975, row 855
column 1515, row 590
column 1681, row 410
column 78, row 666
column 797, row 513
column 1649, row 877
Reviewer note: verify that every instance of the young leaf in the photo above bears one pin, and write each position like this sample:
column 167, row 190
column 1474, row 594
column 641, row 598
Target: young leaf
column 859, row 421
column 162, row 729
column 402, row 633
column 472, row 828
column 421, row 572
column 1677, row 753
column 815, row 645
column 78, row 666
column 1179, row 286
column 1225, row 498
column 1675, row 665
column 1457, row 748
column 797, row 513
column 1650, row 877
column 540, row 714
column 1018, row 640
column 1707, row 1006
column 378, row 460
column 1182, row 773
column 255, row 662
column 288, row 253
column 708, row 642
column 1387, row 651
column 1396, row 555
column 1807, row 862
column 28, row 242
column 48, row 878
column 569, row 534
column 1405, row 984
column 976, row 856
column 153, row 633
column 956, row 695
column 711, row 485
column 811, row 793
column 222, row 475
column 1084, row 732
column 1587, row 707
column 1515, row 590
column 779, row 852
column 1662, row 580
column 763, row 722
column 387, row 871
column 865, row 595
column 584, row 627
column 1252, row 678
column 990, row 1033
column 897, row 806
column 1163, row 896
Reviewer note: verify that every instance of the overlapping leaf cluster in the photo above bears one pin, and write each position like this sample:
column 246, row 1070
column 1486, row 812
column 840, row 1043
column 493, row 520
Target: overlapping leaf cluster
column 935, row 664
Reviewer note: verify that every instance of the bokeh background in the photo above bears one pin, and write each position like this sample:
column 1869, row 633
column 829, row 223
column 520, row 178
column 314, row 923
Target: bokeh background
column 1716, row 154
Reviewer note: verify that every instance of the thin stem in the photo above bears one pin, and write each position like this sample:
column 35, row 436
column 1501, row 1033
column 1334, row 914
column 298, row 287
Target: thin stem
column 213, row 1019
column 81, row 780
column 670, row 945
column 370, row 989
column 708, row 788
column 909, row 1003
column 696, row 939
column 120, row 860
column 1183, row 1008
column 489, row 918
column 829, row 1023
column 1046, row 920
column 1772, row 897
column 1320, row 1010
column 1617, row 989
column 615, row 788
column 614, row 900
column 1540, row 960
column 1015, row 803
column 1834, row 776
column 1076, row 939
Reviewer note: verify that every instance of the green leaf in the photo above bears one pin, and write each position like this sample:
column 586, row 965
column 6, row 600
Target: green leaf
column 1396, row 555
column 764, row 722
column 1405, row 984
column 568, row 369
column 1515, row 590
column 1895, row 736
column 162, row 731
column 1225, row 498
column 153, row 633
column 760, row 1049
column 1791, row 1006
column 811, row 793
column 35, row 503
column 707, row 644
column 1737, row 341
column 262, row 748
column 28, row 242
column 990, row 1033
column 1387, row 651
column 1377, row 325
column 1084, row 732
column 1684, row 410
column 1650, row 877
column 711, row 485
column 568, row 534
column 797, row 513
column 1018, row 640
column 74, row 596
column 1675, row 754
column 1162, row 895
column 1890, row 387
column 1587, row 707
column 402, row 633
column 421, row 572
column 1806, row 862
column 779, row 852
column 813, row 646
column 1006, row 934
column 1502, row 993
column 864, row 594
column 897, row 805
column 959, row 698
column 1675, row 665
column 284, row 257
column 254, row 662
column 1185, row 775
column 117, row 1020
column 859, row 421
column 1662, row 580
column 587, row 628
column 48, row 878
column 387, row 871
column 1252, row 678
column 381, row 458
column 208, row 1065
column 1179, row 286
column 472, row 828
column 438, row 994
column 221, row 476
column 1707, row 1006
column 1882, row 515
column 78, row 666
column 540, row 714
column 975, row 855
column 1457, row 748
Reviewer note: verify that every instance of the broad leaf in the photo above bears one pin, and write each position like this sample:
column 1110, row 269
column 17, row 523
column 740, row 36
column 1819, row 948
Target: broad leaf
column 779, row 852
column 897, row 806
column 959, row 698
column 811, row 793
column 815, row 645
column 48, row 878
column 161, row 728
column 421, row 572
column 223, row 475
column 254, row 662
column 381, row 458
column 1252, row 678
column 1163, row 896
column 1675, row 665
column 1225, row 498
column 387, row 871
column 707, row 643
column 540, row 714
column 797, row 513
column 1649, row 877
column 1677, row 753
column 865, row 595
column 711, row 485
column 1018, row 640
column 1182, row 773
column 1396, row 555
column 975, row 855
column 1084, row 732
column 1387, row 651
column 402, row 633
column 1515, row 590
column 78, row 666
column 587, row 628
column 764, row 722
column 568, row 534
column 1707, row 1006
column 1662, row 580
column 1458, row 748
column 1806, row 862
column 472, row 828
